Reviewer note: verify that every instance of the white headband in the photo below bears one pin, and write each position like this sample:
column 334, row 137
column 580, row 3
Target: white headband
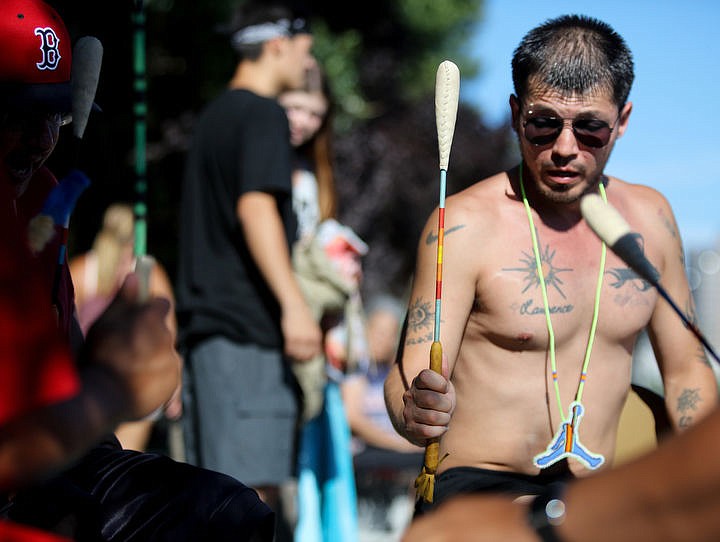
column 259, row 33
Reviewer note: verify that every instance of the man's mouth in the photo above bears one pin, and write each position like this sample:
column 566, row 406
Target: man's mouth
column 562, row 176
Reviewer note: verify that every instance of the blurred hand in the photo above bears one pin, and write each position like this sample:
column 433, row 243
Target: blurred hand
column 133, row 343
column 302, row 334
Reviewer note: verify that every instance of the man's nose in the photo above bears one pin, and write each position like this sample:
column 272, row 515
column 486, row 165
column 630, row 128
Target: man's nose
column 566, row 144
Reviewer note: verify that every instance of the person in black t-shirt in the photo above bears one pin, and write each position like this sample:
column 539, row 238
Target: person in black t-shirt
column 242, row 317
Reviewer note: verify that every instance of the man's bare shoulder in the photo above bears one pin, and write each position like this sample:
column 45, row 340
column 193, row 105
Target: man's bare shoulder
column 638, row 202
column 634, row 194
column 481, row 200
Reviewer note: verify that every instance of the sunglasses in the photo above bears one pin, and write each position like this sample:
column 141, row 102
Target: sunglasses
column 543, row 130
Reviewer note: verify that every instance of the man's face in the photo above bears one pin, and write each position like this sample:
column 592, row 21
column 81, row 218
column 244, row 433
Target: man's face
column 298, row 60
column 566, row 140
column 26, row 141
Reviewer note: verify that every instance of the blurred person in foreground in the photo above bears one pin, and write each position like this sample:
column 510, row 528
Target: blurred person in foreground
column 97, row 276
column 538, row 319
column 64, row 472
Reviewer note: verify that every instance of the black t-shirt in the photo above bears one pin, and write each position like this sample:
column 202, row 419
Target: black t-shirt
column 241, row 144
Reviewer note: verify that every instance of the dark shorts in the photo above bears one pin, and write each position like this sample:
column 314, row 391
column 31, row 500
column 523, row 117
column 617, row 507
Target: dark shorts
column 465, row 480
column 241, row 411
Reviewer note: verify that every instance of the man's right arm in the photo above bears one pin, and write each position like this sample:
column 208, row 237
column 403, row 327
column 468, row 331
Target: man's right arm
column 420, row 402
column 265, row 236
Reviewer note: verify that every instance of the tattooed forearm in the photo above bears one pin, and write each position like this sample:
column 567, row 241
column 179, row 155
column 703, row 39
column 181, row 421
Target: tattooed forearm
column 687, row 403
column 432, row 236
column 420, row 322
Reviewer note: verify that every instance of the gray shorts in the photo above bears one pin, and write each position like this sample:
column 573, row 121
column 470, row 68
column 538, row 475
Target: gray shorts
column 241, row 411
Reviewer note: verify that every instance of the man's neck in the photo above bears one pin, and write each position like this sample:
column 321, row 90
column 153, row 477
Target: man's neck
column 559, row 215
column 257, row 78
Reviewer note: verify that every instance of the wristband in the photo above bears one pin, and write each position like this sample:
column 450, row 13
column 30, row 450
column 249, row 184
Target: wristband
column 547, row 510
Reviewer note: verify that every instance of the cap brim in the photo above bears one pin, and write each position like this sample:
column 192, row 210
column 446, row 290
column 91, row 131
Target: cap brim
column 51, row 97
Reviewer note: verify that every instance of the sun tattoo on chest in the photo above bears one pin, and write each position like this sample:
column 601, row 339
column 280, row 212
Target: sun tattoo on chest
column 551, row 272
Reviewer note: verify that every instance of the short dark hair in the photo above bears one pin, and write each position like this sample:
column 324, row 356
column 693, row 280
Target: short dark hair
column 574, row 54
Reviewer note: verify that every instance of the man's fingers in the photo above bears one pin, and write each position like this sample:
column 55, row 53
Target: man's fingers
column 430, row 380
column 431, row 400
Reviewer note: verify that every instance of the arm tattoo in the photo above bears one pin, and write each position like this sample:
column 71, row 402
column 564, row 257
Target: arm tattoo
column 686, row 404
column 432, row 237
column 692, row 318
column 668, row 223
column 420, row 322
column 671, row 227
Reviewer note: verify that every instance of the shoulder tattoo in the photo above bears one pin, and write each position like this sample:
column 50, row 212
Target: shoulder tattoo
column 432, row 237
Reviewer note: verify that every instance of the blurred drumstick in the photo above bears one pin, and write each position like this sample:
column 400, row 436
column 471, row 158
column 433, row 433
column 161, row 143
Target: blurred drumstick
column 611, row 227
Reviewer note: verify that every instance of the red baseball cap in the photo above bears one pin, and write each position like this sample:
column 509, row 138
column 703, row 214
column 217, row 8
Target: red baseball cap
column 35, row 56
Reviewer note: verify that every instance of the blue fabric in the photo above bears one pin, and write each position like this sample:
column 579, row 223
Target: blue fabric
column 327, row 501
column 61, row 200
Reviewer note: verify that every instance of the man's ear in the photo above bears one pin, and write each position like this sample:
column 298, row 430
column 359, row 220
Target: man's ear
column 515, row 111
column 275, row 46
column 624, row 118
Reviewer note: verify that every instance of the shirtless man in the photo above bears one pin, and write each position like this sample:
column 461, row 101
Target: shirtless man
column 503, row 421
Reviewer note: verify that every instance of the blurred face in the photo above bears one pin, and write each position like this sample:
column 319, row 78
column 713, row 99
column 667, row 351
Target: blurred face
column 26, row 142
column 566, row 141
column 298, row 59
column 305, row 111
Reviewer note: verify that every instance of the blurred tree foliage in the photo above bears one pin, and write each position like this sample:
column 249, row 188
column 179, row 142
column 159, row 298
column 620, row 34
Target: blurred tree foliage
column 381, row 57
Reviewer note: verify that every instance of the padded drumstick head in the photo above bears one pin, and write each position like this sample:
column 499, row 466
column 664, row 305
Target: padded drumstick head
column 87, row 59
column 447, row 94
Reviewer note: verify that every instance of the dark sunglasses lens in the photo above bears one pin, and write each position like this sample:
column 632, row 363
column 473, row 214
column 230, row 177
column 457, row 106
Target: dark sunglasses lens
column 592, row 132
column 542, row 130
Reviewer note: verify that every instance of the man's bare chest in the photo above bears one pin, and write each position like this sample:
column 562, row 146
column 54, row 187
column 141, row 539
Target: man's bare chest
column 512, row 307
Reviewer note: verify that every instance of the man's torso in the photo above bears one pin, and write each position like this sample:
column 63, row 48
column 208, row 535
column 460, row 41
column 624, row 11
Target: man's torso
column 503, row 373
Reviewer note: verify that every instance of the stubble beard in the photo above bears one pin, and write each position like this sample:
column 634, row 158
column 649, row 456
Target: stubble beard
column 566, row 194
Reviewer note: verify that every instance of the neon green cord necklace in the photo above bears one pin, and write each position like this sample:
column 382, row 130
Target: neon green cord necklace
column 566, row 442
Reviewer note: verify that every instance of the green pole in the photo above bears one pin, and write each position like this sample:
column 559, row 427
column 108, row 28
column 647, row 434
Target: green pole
column 140, row 118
